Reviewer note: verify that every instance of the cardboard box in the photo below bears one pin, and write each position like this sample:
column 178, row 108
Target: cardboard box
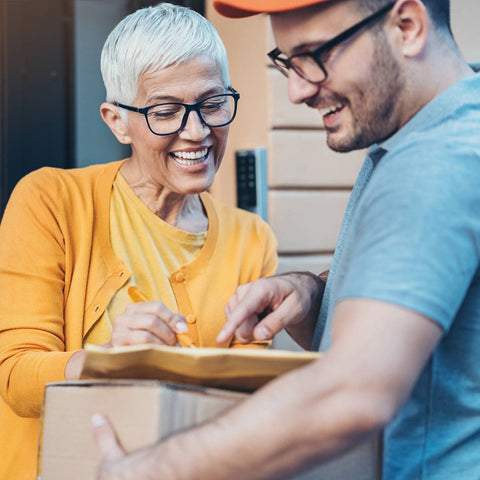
column 142, row 412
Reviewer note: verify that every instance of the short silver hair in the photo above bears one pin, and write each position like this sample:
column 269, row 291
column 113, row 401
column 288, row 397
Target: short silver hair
column 153, row 38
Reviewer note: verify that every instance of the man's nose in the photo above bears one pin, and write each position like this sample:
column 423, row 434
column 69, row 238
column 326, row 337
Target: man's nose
column 299, row 89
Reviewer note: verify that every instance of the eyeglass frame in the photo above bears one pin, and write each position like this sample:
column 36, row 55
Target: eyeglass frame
column 189, row 107
column 286, row 63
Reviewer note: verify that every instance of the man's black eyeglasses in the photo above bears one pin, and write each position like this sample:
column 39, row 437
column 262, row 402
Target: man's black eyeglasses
column 169, row 118
column 310, row 65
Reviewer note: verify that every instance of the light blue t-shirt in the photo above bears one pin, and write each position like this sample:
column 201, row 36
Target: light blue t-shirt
column 411, row 237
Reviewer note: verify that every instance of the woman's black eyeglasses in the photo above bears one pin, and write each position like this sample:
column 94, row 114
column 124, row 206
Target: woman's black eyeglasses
column 169, row 118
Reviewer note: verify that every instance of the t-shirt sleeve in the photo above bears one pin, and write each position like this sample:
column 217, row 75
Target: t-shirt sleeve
column 415, row 240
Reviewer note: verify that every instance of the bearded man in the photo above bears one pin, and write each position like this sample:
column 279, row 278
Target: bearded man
column 399, row 315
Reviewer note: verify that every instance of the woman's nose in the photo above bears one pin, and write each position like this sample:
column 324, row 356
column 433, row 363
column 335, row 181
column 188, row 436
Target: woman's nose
column 299, row 89
column 194, row 129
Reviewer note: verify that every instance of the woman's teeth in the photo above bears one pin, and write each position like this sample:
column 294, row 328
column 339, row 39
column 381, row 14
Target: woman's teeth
column 190, row 158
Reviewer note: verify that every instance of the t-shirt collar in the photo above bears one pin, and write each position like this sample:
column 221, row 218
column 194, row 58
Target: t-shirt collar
column 433, row 112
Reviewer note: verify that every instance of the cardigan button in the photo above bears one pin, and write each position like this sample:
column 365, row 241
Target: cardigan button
column 191, row 318
column 97, row 308
column 179, row 277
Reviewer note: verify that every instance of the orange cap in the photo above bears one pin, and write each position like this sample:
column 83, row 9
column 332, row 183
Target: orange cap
column 245, row 8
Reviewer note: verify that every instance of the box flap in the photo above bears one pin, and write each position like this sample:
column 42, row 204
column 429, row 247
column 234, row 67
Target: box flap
column 237, row 369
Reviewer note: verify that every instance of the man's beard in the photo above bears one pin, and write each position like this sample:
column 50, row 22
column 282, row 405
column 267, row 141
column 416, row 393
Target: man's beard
column 374, row 115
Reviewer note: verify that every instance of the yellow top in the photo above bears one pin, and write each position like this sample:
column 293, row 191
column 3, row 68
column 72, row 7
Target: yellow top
column 58, row 274
column 151, row 249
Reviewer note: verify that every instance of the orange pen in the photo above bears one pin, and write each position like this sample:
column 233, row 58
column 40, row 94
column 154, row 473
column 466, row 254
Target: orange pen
column 137, row 296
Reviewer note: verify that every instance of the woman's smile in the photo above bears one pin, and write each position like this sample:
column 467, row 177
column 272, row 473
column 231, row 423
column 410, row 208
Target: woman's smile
column 191, row 157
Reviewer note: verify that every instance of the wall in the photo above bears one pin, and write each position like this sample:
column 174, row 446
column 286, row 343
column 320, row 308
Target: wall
column 35, row 102
column 309, row 185
column 93, row 21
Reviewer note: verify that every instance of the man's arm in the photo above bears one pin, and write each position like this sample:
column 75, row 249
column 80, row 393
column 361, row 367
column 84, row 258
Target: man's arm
column 304, row 417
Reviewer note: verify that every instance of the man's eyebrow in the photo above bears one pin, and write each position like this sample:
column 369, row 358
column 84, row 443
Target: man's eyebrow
column 308, row 46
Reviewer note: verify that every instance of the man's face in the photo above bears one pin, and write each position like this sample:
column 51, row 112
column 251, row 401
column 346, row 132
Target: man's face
column 360, row 100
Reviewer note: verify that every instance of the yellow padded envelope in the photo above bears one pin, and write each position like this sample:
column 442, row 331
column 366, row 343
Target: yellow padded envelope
column 234, row 369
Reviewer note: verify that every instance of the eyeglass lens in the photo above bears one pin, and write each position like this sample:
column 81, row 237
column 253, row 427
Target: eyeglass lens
column 308, row 68
column 168, row 118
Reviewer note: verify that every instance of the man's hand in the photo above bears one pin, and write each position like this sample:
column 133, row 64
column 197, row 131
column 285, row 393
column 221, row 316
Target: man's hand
column 110, row 448
column 261, row 309
column 378, row 351
column 152, row 462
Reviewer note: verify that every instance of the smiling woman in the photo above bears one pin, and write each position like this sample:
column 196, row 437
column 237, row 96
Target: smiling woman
column 168, row 135
column 75, row 241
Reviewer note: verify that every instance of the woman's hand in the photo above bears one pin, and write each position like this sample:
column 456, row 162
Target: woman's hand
column 147, row 322
column 261, row 309
column 74, row 366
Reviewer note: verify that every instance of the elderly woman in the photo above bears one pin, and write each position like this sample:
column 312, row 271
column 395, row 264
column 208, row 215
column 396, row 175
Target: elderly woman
column 73, row 241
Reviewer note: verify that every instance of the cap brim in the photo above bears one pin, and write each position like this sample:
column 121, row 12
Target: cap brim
column 246, row 8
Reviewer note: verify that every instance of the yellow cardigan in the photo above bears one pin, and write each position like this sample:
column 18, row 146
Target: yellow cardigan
column 58, row 273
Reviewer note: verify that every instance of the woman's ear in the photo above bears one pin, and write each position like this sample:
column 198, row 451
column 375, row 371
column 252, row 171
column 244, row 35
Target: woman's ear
column 412, row 22
column 111, row 116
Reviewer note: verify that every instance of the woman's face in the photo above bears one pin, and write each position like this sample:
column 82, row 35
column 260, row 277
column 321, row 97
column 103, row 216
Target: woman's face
column 185, row 162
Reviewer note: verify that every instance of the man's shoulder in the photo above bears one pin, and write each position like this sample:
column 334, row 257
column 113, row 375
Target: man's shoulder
column 449, row 138
column 449, row 123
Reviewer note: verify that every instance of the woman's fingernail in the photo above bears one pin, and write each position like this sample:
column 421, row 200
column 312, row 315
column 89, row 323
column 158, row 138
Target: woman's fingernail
column 263, row 333
column 181, row 327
